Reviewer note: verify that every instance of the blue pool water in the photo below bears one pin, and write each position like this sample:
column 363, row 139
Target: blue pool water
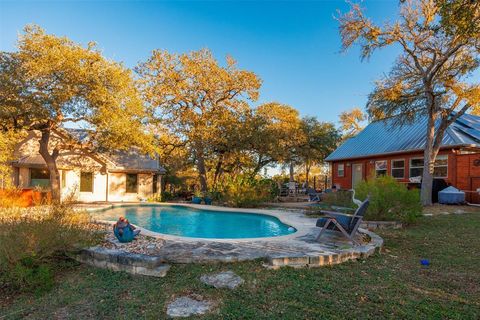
column 197, row 223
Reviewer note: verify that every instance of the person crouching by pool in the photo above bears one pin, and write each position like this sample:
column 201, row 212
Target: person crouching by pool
column 124, row 231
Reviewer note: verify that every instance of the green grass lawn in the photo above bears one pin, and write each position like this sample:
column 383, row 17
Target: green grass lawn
column 388, row 285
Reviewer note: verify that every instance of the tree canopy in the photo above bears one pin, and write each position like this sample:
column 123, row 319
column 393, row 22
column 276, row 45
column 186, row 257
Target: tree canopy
column 351, row 122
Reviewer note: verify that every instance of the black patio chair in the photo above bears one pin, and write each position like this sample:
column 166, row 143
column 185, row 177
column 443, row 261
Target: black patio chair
column 345, row 223
column 313, row 196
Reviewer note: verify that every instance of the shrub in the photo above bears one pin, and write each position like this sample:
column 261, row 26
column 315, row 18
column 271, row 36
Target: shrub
column 13, row 197
column 10, row 198
column 341, row 198
column 28, row 274
column 31, row 239
column 163, row 197
column 245, row 191
column 166, row 196
column 389, row 200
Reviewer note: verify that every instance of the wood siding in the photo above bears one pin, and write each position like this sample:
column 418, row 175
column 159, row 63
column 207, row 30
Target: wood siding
column 368, row 165
column 468, row 175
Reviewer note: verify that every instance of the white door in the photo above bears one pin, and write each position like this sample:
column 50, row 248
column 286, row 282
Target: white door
column 357, row 174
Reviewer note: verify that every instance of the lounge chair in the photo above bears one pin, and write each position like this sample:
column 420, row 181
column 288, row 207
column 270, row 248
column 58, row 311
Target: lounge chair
column 313, row 196
column 345, row 223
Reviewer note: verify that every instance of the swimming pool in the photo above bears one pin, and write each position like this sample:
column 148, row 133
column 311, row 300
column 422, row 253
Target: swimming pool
column 198, row 223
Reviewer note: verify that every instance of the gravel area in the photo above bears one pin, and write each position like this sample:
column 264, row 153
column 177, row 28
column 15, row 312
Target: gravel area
column 142, row 244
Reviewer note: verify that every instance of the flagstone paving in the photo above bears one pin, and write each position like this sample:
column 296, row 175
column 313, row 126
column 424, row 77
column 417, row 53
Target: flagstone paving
column 186, row 306
column 225, row 279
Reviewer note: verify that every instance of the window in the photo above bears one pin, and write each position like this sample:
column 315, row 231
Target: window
column 340, row 170
column 39, row 177
column 132, row 183
column 154, row 183
column 416, row 167
column 381, row 168
column 86, row 182
column 440, row 169
column 398, row 169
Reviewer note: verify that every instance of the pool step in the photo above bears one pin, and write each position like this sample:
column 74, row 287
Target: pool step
column 118, row 260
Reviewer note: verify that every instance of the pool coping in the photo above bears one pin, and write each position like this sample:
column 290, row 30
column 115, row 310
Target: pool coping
column 296, row 220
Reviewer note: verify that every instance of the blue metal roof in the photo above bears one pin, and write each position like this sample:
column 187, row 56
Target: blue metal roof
column 382, row 136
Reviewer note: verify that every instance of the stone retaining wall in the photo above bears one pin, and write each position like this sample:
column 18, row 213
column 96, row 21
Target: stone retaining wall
column 117, row 260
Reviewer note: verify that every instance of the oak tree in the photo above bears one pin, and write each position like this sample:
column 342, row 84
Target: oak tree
column 319, row 140
column 193, row 96
column 51, row 81
column 440, row 49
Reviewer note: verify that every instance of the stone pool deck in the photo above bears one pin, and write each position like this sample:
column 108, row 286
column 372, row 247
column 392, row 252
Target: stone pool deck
column 299, row 249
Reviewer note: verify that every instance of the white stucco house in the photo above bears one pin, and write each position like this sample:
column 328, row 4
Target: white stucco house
column 103, row 177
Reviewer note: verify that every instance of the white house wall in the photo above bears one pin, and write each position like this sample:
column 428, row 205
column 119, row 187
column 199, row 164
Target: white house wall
column 70, row 186
column 70, row 166
column 117, row 187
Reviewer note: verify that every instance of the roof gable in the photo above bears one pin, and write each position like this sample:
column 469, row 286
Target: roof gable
column 130, row 159
column 382, row 137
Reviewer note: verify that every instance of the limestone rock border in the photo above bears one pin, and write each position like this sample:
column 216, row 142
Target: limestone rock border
column 117, row 260
column 306, row 260
column 374, row 225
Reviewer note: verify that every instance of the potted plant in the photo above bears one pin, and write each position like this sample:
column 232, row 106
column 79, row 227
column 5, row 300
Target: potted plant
column 208, row 199
column 197, row 197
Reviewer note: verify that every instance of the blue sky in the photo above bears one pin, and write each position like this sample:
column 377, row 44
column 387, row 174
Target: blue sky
column 293, row 46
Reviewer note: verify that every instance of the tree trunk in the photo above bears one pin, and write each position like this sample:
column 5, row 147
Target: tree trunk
column 292, row 178
column 51, row 161
column 428, row 159
column 202, row 172
column 260, row 164
column 218, row 170
column 307, row 173
column 163, row 183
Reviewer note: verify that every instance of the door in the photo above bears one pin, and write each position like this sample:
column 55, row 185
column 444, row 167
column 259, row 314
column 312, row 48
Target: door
column 357, row 174
column 474, row 196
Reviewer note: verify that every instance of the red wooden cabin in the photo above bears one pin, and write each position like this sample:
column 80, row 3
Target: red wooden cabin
column 383, row 148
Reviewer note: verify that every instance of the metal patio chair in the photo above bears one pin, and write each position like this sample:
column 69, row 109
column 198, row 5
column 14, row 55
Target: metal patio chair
column 345, row 223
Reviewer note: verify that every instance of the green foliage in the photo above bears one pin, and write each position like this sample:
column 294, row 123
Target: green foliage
column 341, row 198
column 163, row 197
column 319, row 139
column 29, row 275
column 166, row 196
column 31, row 239
column 460, row 17
column 245, row 191
column 389, row 200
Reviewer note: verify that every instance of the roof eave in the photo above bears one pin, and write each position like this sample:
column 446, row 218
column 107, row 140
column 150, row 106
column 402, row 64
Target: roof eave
column 464, row 145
